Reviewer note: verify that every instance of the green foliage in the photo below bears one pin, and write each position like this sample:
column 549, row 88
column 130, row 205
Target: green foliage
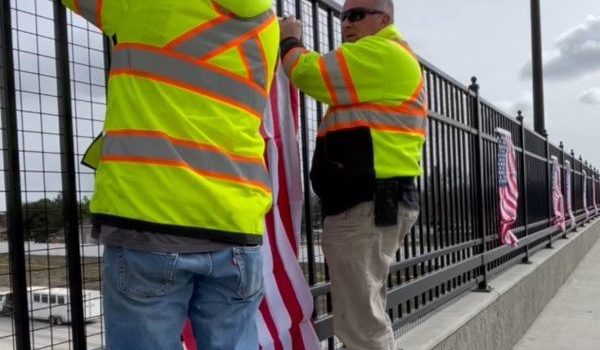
column 45, row 217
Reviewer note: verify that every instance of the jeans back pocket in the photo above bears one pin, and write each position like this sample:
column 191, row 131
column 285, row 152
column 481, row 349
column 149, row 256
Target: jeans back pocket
column 249, row 262
column 145, row 274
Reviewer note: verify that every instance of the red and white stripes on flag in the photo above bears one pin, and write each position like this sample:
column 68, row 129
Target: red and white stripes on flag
column 557, row 196
column 284, row 321
column 508, row 187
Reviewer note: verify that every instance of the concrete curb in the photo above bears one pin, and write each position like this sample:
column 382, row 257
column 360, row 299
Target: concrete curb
column 497, row 320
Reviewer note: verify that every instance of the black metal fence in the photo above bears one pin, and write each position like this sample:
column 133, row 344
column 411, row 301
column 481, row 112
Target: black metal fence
column 52, row 86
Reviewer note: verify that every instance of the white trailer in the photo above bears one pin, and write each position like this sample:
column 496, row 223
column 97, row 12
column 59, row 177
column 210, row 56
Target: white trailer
column 52, row 304
column 6, row 303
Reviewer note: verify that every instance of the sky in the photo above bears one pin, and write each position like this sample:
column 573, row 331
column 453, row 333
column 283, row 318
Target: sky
column 491, row 39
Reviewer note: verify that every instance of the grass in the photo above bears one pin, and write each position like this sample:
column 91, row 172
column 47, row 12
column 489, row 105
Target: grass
column 51, row 271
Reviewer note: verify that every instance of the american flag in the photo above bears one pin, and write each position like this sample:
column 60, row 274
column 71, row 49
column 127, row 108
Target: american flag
column 557, row 196
column 284, row 321
column 508, row 188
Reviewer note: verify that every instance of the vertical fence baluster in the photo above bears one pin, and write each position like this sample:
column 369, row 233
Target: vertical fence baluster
column 12, row 181
column 69, row 185
column 523, row 134
column 549, row 186
column 474, row 88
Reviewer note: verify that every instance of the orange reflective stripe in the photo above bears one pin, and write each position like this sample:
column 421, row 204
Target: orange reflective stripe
column 291, row 59
column 140, row 146
column 250, row 84
column 416, row 111
column 254, row 61
column 205, row 79
column 90, row 10
column 372, row 126
column 387, row 121
column 247, row 68
column 416, row 104
column 327, row 81
column 238, row 40
column 184, row 165
column 99, row 13
column 185, row 143
column 347, row 78
column 263, row 59
column 196, row 31
column 221, row 34
column 188, row 87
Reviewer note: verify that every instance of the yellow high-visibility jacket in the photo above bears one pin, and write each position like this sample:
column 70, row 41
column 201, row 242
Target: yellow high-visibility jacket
column 189, row 82
column 376, row 122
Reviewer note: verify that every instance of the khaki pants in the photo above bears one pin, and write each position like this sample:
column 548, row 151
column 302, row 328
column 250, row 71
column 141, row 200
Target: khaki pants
column 358, row 255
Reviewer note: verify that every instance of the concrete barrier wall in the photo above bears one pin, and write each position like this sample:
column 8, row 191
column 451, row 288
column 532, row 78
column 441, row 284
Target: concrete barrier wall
column 498, row 319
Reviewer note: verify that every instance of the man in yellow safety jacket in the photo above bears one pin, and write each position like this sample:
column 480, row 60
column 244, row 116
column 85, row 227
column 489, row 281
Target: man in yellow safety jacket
column 181, row 188
column 366, row 160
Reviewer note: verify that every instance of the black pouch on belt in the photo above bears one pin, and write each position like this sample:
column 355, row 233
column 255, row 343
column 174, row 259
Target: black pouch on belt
column 386, row 202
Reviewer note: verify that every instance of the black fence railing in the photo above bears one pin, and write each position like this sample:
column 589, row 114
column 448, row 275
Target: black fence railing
column 53, row 68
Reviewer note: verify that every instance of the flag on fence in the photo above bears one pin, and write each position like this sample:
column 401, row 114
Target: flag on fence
column 585, row 201
column 557, row 197
column 284, row 321
column 508, row 187
column 568, row 174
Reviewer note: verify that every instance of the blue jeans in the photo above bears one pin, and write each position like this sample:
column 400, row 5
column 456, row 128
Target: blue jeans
column 148, row 297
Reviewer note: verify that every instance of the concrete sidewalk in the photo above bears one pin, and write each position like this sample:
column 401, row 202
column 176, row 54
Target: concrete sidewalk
column 571, row 320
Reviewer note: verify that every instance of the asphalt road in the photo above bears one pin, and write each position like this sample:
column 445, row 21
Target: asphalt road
column 50, row 337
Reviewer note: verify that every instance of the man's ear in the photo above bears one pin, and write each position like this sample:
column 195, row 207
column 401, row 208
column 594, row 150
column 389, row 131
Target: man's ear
column 386, row 20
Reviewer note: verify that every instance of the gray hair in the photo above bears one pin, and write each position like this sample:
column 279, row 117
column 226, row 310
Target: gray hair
column 386, row 6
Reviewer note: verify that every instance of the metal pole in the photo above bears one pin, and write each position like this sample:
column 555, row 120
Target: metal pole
column 549, row 186
column 537, row 68
column 524, row 181
column 12, row 179
column 70, row 207
column 573, row 195
column 481, row 227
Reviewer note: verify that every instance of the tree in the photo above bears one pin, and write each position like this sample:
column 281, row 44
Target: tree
column 45, row 216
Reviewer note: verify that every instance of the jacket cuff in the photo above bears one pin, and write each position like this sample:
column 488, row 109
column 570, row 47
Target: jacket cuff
column 287, row 44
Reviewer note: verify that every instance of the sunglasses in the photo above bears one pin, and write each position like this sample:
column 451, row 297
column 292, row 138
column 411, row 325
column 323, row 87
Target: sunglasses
column 358, row 14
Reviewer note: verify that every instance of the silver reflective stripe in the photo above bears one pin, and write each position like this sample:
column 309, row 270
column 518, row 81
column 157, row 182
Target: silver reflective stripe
column 219, row 35
column 189, row 74
column 88, row 10
column 372, row 118
column 422, row 96
column 291, row 58
column 257, row 68
column 336, row 78
column 156, row 148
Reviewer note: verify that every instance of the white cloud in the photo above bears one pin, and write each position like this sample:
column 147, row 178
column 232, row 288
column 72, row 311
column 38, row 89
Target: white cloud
column 524, row 104
column 576, row 52
column 590, row 97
